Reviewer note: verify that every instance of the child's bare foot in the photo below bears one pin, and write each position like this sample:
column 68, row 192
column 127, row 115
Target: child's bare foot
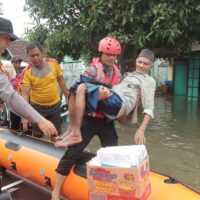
column 55, row 197
column 72, row 138
column 69, row 129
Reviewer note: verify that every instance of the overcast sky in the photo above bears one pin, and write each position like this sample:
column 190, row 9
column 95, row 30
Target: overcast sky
column 13, row 10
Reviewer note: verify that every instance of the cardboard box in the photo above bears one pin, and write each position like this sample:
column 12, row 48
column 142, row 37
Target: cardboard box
column 117, row 183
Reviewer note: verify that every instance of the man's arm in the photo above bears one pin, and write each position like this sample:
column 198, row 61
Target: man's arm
column 147, row 97
column 139, row 134
column 90, row 71
column 63, row 87
column 25, row 92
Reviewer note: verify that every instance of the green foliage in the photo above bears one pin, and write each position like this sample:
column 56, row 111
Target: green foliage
column 37, row 34
column 74, row 27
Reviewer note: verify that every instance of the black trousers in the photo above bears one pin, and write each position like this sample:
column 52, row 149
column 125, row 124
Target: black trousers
column 52, row 113
column 90, row 127
column 15, row 121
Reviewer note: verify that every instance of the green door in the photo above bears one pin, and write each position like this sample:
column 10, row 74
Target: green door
column 194, row 77
column 180, row 79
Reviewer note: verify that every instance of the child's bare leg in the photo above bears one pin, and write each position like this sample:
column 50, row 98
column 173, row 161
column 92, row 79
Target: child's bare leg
column 80, row 105
column 57, row 187
column 71, row 108
column 74, row 135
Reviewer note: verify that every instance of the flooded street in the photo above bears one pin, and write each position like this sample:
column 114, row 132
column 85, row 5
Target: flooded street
column 173, row 139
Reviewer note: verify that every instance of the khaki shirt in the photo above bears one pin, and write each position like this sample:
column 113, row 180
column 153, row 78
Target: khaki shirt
column 129, row 89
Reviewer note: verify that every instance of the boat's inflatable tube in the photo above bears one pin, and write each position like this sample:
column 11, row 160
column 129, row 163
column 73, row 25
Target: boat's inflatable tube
column 36, row 160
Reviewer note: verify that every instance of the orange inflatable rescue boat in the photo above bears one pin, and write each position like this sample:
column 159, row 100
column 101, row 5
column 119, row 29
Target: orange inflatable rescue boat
column 36, row 160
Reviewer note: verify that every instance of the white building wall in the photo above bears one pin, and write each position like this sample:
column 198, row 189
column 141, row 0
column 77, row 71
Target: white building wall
column 72, row 71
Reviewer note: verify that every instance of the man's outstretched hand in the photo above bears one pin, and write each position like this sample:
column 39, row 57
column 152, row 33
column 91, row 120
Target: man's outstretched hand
column 47, row 127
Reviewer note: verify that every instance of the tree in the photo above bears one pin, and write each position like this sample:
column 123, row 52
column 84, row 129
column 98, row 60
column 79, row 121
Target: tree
column 74, row 27
column 37, row 34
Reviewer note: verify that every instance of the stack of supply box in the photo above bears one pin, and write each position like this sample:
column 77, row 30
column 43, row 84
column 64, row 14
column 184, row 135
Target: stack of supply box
column 119, row 173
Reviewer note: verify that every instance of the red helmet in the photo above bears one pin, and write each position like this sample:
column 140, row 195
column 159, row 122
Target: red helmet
column 109, row 45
